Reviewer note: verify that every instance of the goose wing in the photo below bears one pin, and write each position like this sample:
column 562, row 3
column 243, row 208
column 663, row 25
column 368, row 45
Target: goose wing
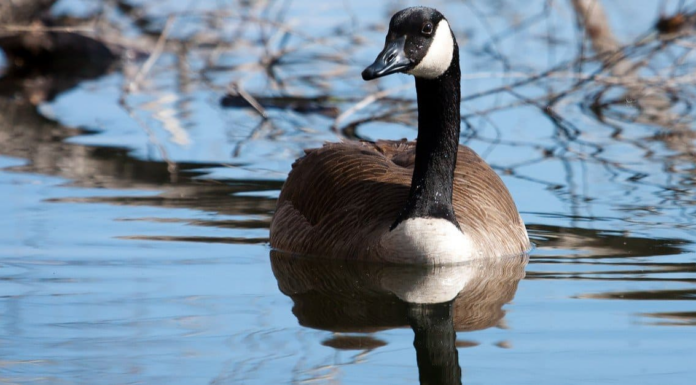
column 339, row 198
column 484, row 207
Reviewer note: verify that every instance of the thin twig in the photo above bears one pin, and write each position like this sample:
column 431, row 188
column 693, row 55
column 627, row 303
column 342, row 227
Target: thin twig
column 366, row 102
column 159, row 48
column 237, row 88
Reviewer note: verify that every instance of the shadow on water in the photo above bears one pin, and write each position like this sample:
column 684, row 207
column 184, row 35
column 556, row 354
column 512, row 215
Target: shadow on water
column 576, row 242
column 602, row 255
column 25, row 133
column 673, row 319
column 435, row 302
column 612, row 256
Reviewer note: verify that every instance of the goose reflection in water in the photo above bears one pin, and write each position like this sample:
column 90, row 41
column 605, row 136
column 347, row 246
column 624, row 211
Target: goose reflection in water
column 435, row 301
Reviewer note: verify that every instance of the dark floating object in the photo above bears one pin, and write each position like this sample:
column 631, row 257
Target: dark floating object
column 44, row 57
column 317, row 105
column 54, row 51
column 45, row 64
column 33, row 40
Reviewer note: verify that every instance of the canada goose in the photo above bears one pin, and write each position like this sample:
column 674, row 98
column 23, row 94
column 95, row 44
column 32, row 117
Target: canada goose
column 426, row 202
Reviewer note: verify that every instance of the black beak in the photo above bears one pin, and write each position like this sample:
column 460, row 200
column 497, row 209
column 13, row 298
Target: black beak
column 392, row 59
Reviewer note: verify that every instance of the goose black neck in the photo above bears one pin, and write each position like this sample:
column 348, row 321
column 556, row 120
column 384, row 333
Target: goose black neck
column 436, row 147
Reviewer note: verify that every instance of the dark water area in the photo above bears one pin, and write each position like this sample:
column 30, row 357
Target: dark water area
column 136, row 196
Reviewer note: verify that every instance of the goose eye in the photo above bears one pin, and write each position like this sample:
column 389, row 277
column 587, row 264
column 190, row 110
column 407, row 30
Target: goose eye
column 427, row 28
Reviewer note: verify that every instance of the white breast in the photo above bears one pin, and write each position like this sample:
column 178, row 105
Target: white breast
column 427, row 241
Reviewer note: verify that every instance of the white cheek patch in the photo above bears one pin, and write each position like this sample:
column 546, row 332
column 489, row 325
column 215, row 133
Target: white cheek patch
column 439, row 55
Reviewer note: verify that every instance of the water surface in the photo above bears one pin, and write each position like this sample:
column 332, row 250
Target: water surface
column 134, row 242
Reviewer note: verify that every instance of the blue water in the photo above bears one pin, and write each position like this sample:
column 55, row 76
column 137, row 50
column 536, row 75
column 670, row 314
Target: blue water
column 115, row 270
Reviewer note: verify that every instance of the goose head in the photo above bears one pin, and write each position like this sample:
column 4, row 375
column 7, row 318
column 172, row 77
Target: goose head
column 419, row 42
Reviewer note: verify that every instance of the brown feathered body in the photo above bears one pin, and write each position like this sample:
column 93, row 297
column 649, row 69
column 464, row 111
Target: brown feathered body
column 341, row 199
